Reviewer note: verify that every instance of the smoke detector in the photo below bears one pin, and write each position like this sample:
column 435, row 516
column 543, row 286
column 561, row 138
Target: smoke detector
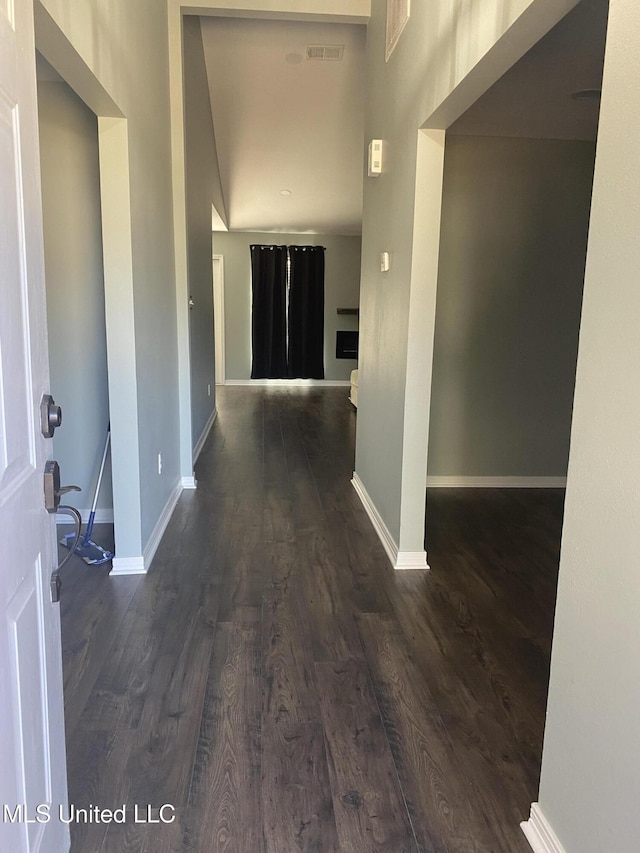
column 325, row 52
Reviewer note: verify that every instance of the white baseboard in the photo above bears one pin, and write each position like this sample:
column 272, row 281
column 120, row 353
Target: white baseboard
column 205, row 434
column 411, row 560
column 380, row 527
column 189, row 482
column 539, row 833
column 141, row 565
column 161, row 525
column 459, row 482
column 128, row 566
column 103, row 516
column 335, row 383
column 399, row 559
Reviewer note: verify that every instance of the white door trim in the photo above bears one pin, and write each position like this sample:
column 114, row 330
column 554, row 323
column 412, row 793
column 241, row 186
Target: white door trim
column 218, row 318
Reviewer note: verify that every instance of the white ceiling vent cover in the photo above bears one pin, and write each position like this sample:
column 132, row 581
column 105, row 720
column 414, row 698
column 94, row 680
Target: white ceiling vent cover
column 325, row 52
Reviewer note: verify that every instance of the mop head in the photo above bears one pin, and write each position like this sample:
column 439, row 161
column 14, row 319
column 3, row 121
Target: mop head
column 92, row 553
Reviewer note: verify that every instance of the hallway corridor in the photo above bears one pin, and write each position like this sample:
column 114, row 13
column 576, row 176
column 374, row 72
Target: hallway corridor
column 274, row 680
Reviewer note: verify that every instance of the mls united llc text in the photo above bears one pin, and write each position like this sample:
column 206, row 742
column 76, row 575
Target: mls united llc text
column 45, row 812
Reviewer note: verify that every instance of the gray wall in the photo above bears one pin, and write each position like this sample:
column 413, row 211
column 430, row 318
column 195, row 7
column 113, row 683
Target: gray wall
column 342, row 286
column 203, row 190
column 75, row 287
column 515, row 215
column 590, row 785
column 139, row 42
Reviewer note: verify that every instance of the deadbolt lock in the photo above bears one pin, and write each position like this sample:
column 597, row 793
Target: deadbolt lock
column 50, row 416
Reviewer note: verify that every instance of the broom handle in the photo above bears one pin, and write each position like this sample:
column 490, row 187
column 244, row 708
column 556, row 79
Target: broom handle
column 102, row 464
column 92, row 515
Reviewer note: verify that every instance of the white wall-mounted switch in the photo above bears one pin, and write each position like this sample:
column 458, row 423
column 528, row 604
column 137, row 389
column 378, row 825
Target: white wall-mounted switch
column 375, row 158
column 385, row 261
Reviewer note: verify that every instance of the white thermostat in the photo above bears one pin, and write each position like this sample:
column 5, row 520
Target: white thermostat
column 375, row 158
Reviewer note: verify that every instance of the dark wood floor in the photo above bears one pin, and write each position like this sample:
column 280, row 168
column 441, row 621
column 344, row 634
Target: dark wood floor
column 274, row 680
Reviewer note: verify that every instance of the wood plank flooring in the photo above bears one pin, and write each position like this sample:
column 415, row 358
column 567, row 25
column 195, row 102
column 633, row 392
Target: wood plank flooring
column 277, row 683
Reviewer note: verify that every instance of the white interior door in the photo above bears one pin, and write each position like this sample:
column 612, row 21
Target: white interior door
column 218, row 316
column 32, row 755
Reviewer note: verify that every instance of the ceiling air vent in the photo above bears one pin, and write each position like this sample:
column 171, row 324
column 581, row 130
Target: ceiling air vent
column 325, row 52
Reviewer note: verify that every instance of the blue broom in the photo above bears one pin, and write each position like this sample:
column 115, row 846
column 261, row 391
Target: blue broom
column 92, row 553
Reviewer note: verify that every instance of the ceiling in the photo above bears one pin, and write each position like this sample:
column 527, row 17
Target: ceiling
column 533, row 99
column 285, row 122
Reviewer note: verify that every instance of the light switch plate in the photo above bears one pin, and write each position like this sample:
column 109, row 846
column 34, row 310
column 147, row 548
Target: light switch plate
column 375, row 158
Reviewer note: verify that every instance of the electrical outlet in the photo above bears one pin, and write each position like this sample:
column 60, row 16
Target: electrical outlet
column 208, row 390
column 159, row 463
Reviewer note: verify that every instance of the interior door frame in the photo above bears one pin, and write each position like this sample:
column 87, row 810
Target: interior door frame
column 219, row 318
column 115, row 201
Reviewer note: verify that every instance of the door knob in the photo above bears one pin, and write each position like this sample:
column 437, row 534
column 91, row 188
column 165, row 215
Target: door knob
column 52, row 493
column 52, row 488
column 50, row 416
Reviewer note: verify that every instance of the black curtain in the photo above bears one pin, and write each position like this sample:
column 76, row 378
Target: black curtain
column 269, row 312
column 306, row 313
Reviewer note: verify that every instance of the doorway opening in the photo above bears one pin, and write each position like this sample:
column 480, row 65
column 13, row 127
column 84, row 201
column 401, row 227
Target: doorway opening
column 517, row 182
column 74, row 272
column 518, row 176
